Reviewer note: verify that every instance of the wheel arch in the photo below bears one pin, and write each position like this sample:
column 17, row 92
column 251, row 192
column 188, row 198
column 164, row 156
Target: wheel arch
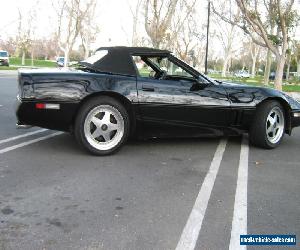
column 287, row 109
column 122, row 99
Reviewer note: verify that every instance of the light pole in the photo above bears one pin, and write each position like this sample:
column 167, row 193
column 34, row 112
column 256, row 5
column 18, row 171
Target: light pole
column 207, row 34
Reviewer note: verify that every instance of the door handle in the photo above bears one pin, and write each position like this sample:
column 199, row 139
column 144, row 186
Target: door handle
column 148, row 88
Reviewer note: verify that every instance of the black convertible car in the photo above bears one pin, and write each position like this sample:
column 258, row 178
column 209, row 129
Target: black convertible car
column 127, row 91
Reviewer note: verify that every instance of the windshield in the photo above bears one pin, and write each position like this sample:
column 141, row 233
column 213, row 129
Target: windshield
column 3, row 54
column 212, row 80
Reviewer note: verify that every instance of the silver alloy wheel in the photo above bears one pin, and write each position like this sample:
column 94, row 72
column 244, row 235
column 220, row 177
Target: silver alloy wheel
column 104, row 127
column 275, row 125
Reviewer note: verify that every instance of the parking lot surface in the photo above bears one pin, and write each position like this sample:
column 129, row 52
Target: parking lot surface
column 155, row 194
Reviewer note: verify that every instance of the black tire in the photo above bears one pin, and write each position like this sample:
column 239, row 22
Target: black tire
column 258, row 130
column 85, row 109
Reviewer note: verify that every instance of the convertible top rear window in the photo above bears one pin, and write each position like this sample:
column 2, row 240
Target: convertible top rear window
column 96, row 57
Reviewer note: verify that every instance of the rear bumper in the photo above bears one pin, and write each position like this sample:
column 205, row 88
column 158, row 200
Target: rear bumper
column 295, row 118
column 23, row 126
column 58, row 119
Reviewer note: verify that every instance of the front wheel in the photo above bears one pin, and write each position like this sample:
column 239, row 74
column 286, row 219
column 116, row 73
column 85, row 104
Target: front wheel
column 102, row 125
column 268, row 126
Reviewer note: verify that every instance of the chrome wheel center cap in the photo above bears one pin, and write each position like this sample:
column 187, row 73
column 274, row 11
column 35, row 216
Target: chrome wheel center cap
column 104, row 127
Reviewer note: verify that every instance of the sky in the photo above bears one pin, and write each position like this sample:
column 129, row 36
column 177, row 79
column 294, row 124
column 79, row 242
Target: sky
column 114, row 20
column 113, row 16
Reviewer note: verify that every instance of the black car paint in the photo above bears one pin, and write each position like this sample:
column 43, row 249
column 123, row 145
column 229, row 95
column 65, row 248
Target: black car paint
column 160, row 107
column 69, row 89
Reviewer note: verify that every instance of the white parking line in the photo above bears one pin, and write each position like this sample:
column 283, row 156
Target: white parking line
column 21, row 136
column 192, row 228
column 29, row 142
column 239, row 220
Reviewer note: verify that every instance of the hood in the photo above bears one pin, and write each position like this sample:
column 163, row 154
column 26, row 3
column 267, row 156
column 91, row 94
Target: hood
column 236, row 84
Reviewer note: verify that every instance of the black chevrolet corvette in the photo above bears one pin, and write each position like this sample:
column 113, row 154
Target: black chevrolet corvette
column 128, row 91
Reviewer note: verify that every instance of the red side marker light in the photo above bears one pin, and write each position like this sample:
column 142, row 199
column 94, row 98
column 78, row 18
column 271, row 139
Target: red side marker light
column 47, row 106
column 40, row 105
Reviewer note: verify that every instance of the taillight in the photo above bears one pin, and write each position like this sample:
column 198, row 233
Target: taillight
column 47, row 106
column 40, row 105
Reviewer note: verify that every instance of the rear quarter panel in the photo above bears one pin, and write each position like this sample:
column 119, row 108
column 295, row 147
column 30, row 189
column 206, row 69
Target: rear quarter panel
column 68, row 90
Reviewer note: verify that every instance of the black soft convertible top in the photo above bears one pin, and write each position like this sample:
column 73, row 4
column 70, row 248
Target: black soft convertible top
column 118, row 60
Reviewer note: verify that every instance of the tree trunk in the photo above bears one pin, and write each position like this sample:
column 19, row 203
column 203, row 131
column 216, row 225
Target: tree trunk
column 229, row 65
column 279, row 72
column 225, row 66
column 288, row 70
column 66, row 55
column 253, row 67
column 288, row 66
column 32, row 63
column 23, row 58
column 134, row 25
column 87, row 49
column 243, row 67
column 298, row 68
column 268, row 67
column 254, row 54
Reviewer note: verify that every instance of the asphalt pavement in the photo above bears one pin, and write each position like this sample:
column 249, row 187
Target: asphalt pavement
column 155, row 194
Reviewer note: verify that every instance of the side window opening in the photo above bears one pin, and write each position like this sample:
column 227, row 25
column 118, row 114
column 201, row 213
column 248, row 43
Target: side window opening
column 143, row 68
column 169, row 67
column 153, row 67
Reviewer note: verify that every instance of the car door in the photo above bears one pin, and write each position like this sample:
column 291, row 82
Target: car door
column 161, row 101
column 176, row 102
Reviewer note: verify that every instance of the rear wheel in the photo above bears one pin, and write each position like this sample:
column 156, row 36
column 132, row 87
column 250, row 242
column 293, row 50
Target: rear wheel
column 268, row 127
column 102, row 125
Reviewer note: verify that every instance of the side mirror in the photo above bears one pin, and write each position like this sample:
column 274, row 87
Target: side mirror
column 198, row 86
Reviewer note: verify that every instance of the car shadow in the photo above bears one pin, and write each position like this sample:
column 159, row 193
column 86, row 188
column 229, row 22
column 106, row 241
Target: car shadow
column 68, row 144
